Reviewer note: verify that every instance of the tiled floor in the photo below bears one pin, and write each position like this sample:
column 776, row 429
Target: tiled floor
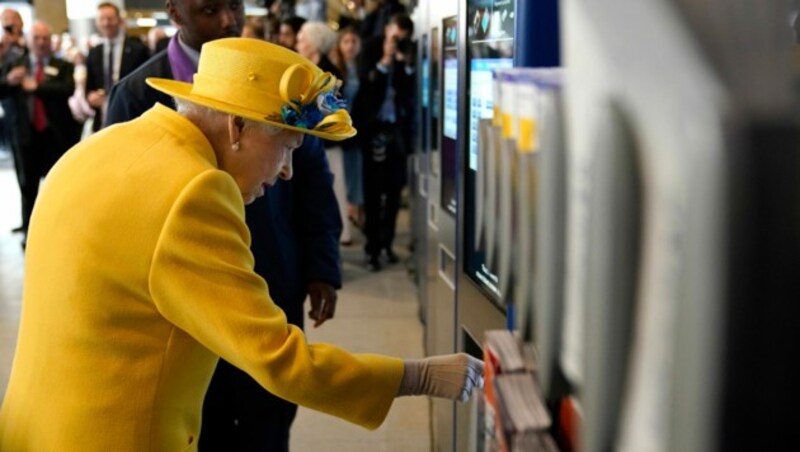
column 376, row 313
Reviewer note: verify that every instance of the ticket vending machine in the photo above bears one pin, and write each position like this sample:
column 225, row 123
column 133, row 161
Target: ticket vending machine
column 461, row 44
column 491, row 31
column 436, row 25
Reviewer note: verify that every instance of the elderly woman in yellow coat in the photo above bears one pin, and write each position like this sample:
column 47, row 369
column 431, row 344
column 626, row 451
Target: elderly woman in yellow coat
column 138, row 274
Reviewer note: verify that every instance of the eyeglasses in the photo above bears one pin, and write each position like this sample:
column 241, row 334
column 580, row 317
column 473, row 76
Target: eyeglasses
column 9, row 29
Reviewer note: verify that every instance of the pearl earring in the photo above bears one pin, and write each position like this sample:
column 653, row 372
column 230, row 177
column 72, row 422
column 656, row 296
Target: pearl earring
column 235, row 146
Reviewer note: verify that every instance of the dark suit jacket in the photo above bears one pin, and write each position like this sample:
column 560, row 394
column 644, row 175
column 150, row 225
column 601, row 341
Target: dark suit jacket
column 134, row 54
column 56, row 88
column 295, row 226
column 372, row 92
column 376, row 21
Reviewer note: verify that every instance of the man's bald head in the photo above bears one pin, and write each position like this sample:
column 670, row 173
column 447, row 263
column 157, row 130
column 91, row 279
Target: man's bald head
column 11, row 16
column 40, row 39
column 12, row 26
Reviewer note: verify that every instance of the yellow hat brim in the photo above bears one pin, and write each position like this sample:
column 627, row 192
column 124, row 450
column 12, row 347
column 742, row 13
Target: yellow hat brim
column 183, row 90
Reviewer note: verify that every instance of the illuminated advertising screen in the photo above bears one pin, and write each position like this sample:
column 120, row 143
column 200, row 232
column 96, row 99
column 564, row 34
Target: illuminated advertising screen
column 450, row 114
column 490, row 46
column 424, row 86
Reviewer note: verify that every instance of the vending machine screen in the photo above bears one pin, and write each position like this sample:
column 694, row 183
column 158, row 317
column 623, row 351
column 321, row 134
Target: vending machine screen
column 450, row 116
column 490, row 46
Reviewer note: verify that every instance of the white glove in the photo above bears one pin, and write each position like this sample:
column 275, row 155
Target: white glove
column 451, row 377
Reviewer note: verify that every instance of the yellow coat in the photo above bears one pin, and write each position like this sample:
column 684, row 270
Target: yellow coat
column 138, row 276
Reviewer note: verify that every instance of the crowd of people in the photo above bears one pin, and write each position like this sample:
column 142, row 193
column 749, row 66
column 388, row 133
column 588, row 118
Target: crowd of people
column 375, row 59
column 50, row 91
column 296, row 222
column 370, row 53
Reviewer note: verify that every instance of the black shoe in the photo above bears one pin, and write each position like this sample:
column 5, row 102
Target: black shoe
column 393, row 259
column 374, row 264
column 18, row 229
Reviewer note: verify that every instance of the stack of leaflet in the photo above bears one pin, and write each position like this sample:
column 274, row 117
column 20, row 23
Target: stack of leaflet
column 516, row 418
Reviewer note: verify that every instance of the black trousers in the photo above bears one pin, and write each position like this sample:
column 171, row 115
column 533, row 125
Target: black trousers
column 384, row 173
column 240, row 415
column 32, row 161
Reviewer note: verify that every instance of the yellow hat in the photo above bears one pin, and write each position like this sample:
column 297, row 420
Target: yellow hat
column 266, row 83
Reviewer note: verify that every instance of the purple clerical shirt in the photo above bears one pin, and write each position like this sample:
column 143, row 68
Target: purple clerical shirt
column 183, row 68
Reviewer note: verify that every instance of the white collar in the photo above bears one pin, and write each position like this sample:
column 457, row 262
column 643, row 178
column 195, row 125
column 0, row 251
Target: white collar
column 120, row 37
column 193, row 54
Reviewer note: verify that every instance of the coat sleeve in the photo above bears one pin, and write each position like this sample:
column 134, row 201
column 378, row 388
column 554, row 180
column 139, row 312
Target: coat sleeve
column 6, row 90
column 319, row 220
column 92, row 83
column 62, row 85
column 202, row 281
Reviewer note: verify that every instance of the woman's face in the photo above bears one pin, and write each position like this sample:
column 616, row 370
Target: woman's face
column 287, row 37
column 261, row 159
column 304, row 45
column 350, row 45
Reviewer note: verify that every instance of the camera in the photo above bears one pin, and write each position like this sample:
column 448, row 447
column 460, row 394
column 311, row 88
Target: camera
column 405, row 46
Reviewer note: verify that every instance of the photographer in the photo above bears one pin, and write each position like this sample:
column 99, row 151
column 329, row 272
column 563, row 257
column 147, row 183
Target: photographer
column 384, row 110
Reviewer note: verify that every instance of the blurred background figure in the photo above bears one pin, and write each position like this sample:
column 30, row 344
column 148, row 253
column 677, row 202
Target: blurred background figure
column 272, row 28
column 352, row 14
column 282, row 8
column 13, row 44
column 348, row 49
column 56, row 45
column 376, row 21
column 41, row 127
column 82, row 112
column 312, row 10
column 157, row 40
column 315, row 41
column 384, row 110
column 116, row 57
column 253, row 28
column 287, row 35
column 13, row 50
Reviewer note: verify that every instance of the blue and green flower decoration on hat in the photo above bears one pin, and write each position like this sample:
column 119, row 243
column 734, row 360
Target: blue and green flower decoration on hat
column 313, row 103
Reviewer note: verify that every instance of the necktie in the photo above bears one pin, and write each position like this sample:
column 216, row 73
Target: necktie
column 39, row 115
column 108, row 82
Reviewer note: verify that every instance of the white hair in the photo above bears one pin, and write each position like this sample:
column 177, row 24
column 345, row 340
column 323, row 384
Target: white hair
column 186, row 107
column 320, row 36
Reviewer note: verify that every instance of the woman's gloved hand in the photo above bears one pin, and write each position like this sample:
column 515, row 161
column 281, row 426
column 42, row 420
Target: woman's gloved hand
column 451, row 377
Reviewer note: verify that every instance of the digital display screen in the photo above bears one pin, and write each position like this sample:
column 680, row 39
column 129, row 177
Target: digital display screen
column 490, row 46
column 424, row 93
column 426, row 80
column 450, row 114
column 450, row 97
column 482, row 98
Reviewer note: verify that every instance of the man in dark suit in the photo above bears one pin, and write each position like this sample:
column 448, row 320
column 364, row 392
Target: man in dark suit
column 109, row 62
column 36, row 87
column 383, row 111
column 294, row 227
column 12, row 48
